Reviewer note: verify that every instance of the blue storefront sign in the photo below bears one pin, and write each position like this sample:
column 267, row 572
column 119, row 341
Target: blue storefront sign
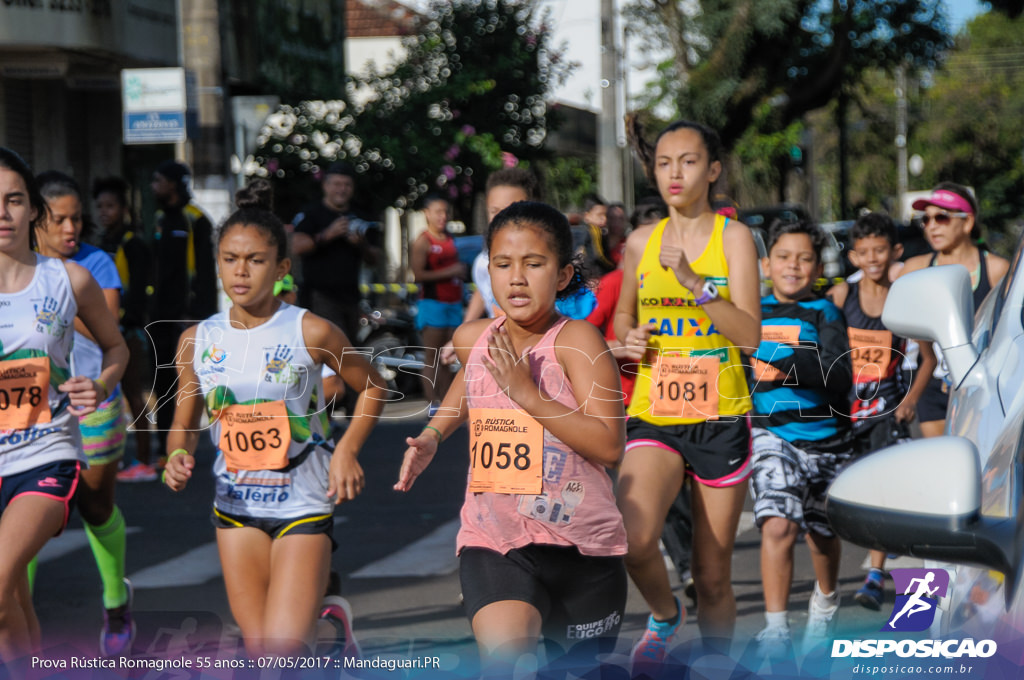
column 154, row 127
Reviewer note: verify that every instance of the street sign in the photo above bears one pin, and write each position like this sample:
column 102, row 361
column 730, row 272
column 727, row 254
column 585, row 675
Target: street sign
column 154, row 103
column 154, row 127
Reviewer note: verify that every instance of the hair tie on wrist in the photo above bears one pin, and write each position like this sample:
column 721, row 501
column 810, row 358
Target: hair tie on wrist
column 106, row 390
column 439, row 435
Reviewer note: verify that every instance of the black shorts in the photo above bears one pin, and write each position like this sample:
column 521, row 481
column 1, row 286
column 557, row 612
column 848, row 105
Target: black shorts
column 276, row 528
column 933, row 402
column 579, row 597
column 58, row 480
column 882, row 432
column 716, row 452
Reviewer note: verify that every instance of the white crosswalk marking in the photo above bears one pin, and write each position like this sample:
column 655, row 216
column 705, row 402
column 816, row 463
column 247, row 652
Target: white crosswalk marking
column 195, row 567
column 432, row 555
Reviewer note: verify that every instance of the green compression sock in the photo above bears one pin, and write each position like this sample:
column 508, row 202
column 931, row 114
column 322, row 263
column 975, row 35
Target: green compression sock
column 108, row 547
column 32, row 567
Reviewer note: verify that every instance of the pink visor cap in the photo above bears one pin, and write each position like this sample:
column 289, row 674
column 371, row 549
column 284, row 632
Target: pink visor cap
column 947, row 200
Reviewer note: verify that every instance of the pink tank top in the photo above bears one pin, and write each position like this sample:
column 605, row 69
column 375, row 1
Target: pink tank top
column 576, row 506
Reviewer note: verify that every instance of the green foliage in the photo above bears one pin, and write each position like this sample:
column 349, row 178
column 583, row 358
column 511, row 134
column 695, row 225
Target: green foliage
column 974, row 132
column 756, row 67
column 763, row 151
column 567, row 180
column 871, row 129
column 468, row 98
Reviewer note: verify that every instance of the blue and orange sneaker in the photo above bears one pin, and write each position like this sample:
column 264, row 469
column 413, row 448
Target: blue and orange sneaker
column 649, row 653
column 118, row 628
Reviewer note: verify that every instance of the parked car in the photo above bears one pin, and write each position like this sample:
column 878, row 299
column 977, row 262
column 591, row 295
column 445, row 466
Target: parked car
column 955, row 499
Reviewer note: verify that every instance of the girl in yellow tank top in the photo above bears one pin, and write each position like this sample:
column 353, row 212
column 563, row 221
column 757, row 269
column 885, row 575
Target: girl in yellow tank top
column 681, row 328
column 689, row 305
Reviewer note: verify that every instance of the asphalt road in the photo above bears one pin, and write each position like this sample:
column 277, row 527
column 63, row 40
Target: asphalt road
column 395, row 555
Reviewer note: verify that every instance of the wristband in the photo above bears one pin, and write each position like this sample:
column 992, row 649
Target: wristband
column 106, row 390
column 439, row 435
column 176, row 452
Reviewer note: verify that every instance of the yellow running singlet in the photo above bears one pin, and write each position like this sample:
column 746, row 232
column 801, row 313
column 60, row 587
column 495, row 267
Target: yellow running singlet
column 692, row 373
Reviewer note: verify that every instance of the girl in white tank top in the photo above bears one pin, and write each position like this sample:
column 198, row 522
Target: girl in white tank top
column 258, row 369
column 40, row 451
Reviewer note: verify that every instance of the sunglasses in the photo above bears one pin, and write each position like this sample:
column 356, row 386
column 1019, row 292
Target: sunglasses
column 942, row 218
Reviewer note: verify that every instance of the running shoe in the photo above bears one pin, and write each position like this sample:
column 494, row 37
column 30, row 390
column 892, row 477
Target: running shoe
column 118, row 628
column 649, row 653
column 871, row 594
column 821, row 621
column 337, row 612
column 137, row 472
column 774, row 642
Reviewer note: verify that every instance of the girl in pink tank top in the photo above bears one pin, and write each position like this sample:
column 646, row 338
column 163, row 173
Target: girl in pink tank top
column 542, row 541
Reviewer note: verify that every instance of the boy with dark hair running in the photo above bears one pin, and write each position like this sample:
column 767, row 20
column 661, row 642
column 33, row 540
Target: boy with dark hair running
column 882, row 402
column 800, row 438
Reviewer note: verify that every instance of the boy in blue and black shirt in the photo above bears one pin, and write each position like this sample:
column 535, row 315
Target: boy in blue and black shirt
column 801, row 430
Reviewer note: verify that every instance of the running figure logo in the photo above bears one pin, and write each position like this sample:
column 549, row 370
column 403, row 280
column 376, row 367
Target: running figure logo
column 921, row 589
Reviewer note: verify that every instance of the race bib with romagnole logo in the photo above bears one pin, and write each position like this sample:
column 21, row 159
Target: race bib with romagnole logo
column 506, row 451
column 24, row 393
column 255, row 436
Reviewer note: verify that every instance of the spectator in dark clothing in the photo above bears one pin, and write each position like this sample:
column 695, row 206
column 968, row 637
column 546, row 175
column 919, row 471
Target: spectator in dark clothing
column 185, row 278
column 123, row 240
column 333, row 241
column 120, row 238
column 186, row 283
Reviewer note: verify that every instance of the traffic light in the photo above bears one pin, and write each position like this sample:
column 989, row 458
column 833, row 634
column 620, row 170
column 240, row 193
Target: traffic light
column 796, row 155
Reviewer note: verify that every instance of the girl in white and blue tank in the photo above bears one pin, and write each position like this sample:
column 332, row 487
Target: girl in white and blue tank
column 40, row 401
column 278, row 477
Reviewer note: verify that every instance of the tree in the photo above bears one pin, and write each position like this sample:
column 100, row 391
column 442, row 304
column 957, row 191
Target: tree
column 753, row 69
column 468, row 98
column 973, row 132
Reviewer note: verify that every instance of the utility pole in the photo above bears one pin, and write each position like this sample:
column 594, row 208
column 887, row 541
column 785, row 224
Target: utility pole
column 901, row 133
column 609, row 156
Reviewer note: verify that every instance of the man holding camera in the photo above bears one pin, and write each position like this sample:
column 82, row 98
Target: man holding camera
column 333, row 242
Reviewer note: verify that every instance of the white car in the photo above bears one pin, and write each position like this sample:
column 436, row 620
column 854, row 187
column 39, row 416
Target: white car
column 955, row 499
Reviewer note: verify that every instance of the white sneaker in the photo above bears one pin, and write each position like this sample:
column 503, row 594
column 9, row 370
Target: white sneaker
column 774, row 642
column 821, row 621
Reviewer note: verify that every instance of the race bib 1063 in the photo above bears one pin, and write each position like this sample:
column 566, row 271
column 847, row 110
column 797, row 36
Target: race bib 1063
column 255, row 436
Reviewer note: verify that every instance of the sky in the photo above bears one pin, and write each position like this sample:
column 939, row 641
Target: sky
column 577, row 24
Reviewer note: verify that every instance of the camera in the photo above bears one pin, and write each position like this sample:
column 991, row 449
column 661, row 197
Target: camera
column 360, row 226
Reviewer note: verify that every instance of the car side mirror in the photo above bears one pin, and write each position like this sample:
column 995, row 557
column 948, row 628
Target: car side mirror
column 935, row 304
column 923, row 499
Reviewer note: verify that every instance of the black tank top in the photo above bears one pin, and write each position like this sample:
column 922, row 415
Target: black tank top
column 983, row 286
column 877, row 354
